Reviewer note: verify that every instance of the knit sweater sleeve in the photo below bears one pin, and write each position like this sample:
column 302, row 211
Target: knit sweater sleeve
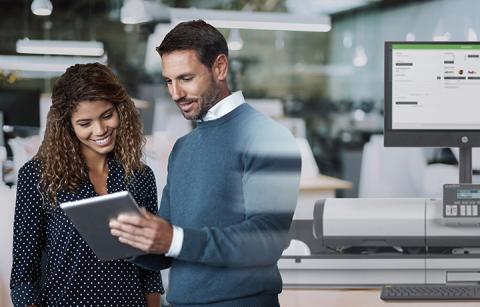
column 270, row 182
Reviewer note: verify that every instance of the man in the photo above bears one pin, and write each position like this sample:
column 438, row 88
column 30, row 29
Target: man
column 231, row 189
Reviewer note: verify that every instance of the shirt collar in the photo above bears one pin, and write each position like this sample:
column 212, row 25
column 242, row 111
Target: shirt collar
column 224, row 106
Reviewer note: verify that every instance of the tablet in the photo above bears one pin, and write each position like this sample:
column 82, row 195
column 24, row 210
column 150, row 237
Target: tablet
column 91, row 216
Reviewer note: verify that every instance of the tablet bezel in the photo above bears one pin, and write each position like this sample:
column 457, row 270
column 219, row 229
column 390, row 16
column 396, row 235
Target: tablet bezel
column 91, row 217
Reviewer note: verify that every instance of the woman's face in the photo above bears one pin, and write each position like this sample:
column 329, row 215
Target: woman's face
column 95, row 124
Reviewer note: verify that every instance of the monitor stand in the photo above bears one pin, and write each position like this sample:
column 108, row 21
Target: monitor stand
column 465, row 164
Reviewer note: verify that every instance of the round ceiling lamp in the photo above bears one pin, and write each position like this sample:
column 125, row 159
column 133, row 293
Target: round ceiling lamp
column 41, row 7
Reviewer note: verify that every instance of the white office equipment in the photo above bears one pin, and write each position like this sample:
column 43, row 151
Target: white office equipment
column 430, row 101
column 374, row 241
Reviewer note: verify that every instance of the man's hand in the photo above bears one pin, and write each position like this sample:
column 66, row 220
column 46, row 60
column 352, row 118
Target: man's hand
column 147, row 232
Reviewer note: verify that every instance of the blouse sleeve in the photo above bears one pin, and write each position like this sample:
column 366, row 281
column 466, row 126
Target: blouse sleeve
column 151, row 281
column 29, row 237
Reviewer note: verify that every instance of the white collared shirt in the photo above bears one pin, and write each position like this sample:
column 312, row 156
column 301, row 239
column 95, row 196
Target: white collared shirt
column 224, row 106
column 221, row 108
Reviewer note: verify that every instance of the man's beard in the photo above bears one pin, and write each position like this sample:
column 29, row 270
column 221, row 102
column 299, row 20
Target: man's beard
column 208, row 100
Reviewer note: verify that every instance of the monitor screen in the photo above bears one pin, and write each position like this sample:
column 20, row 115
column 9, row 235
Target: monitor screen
column 432, row 94
column 20, row 108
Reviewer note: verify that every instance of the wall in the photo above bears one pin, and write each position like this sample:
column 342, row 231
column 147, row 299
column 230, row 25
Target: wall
column 373, row 27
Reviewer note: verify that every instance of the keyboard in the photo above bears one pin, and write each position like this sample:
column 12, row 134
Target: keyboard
column 430, row 292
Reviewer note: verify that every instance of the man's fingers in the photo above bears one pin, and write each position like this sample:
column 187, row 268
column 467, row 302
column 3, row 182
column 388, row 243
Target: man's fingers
column 144, row 212
column 146, row 232
column 148, row 215
column 131, row 237
column 144, row 243
column 127, row 228
column 136, row 220
column 136, row 244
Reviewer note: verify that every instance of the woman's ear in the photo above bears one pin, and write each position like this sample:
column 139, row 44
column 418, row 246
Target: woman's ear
column 220, row 67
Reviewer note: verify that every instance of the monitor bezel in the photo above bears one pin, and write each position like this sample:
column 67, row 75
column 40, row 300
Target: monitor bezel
column 419, row 137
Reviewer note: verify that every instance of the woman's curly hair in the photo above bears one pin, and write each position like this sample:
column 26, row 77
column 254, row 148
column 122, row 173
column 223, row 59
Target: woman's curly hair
column 62, row 164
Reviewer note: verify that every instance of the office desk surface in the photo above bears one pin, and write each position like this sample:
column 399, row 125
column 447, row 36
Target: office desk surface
column 323, row 183
column 354, row 298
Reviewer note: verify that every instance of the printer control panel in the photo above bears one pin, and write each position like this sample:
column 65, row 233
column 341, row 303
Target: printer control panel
column 461, row 201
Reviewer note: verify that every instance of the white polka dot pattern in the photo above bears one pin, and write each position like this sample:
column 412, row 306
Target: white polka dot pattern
column 70, row 274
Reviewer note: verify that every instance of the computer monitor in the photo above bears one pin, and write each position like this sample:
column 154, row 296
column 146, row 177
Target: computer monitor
column 432, row 95
column 20, row 109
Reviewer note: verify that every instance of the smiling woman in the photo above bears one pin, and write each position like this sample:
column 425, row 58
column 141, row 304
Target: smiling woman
column 92, row 146
column 77, row 97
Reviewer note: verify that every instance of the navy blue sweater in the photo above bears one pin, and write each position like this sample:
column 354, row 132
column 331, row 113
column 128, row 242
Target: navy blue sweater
column 232, row 186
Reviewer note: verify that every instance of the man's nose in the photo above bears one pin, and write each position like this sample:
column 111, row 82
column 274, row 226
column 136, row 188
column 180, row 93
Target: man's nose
column 176, row 92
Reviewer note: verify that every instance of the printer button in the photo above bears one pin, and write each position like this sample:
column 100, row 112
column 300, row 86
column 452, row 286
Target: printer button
column 469, row 210
column 454, row 210
column 448, row 210
column 475, row 210
column 462, row 210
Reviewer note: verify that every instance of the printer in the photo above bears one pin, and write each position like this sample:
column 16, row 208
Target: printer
column 369, row 242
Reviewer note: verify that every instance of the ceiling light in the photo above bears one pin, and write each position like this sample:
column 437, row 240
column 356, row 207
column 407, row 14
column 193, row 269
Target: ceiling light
column 83, row 48
column 234, row 41
column 360, row 59
column 410, row 37
column 35, row 63
column 315, row 7
column 254, row 20
column 472, row 35
column 134, row 12
column 41, row 7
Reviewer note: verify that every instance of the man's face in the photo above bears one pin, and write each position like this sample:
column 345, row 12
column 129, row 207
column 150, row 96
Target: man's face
column 190, row 83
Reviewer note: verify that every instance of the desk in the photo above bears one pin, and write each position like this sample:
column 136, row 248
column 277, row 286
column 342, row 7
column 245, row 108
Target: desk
column 353, row 298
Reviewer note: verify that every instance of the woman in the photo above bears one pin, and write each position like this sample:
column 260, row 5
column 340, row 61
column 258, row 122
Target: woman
column 92, row 146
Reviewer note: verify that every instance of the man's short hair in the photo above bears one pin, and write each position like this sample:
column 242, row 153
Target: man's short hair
column 196, row 35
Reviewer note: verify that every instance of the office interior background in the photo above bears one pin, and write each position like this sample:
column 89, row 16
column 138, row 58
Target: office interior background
column 325, row 83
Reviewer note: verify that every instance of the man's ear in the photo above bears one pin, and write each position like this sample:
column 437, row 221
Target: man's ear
column 220, row 67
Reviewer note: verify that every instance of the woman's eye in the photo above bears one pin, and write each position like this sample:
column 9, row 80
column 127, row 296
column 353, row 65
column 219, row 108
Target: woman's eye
column 107, row 116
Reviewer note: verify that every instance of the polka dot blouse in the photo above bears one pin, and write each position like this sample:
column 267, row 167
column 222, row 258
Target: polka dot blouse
column 69, row 273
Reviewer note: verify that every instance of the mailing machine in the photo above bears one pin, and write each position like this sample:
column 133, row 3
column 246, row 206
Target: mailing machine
column 374, row 241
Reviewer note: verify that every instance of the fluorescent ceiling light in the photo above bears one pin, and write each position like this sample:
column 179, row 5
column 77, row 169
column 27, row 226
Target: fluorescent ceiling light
column 254, row 20
column 133, row 12
column 315, row 7
column 41, row 7
column 33, row 63
column 89, row 48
